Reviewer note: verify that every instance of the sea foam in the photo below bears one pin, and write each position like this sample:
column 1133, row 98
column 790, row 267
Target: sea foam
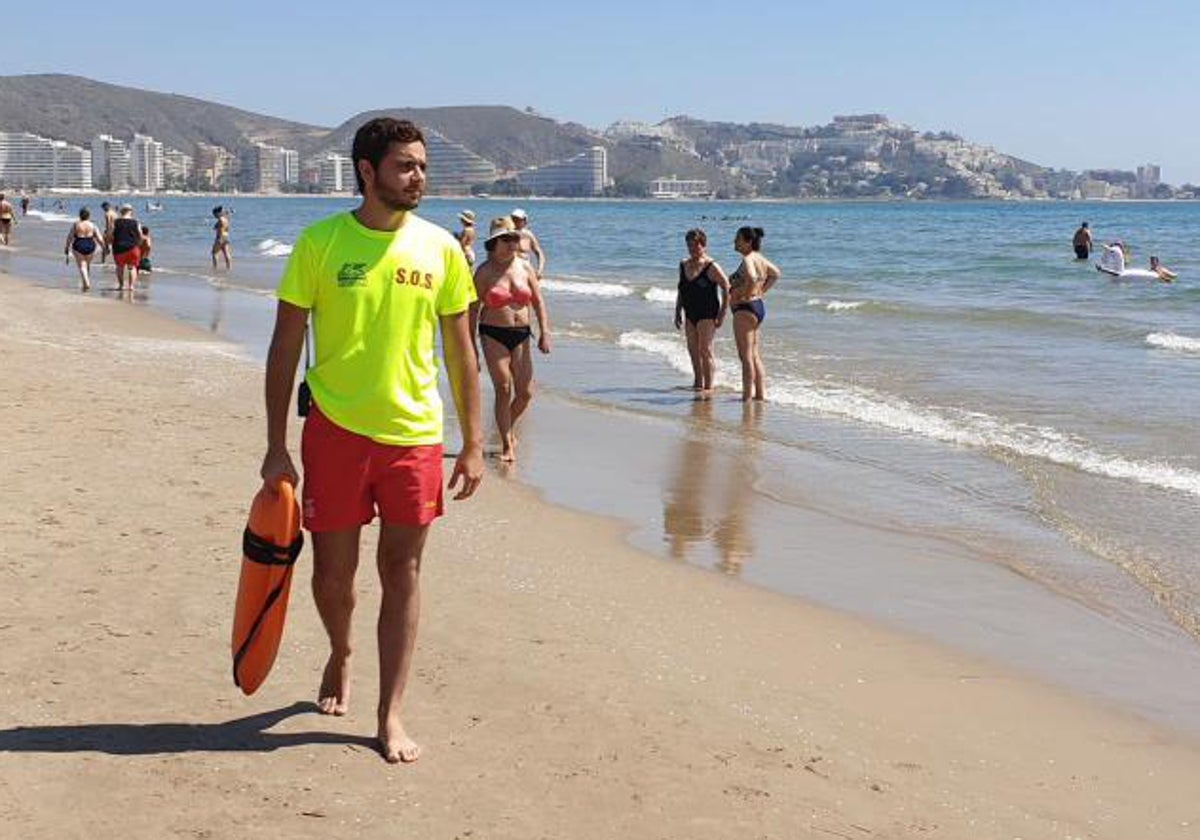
column 971, row 429
column 835, row 305
column 1171, row 341
column 273, row 248
column 575, row 287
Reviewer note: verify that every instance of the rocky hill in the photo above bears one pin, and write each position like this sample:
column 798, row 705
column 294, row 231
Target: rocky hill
column 75, row 109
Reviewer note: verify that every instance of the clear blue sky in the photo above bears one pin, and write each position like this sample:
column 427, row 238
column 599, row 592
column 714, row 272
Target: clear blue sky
column 1086, row 85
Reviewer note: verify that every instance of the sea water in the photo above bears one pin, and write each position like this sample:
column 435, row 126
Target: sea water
column 933, row 369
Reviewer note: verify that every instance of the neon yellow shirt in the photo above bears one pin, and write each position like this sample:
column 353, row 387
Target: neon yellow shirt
column 376, row 297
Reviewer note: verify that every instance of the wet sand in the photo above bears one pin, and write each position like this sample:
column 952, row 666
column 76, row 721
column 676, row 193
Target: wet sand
column 565, row 685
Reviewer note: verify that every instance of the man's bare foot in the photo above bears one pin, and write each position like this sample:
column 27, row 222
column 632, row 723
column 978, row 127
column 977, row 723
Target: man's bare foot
column 395, row 745
column 508, row 450
column 333, row 698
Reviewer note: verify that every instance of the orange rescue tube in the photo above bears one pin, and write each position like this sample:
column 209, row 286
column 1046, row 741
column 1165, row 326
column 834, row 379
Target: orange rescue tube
column 270, row 545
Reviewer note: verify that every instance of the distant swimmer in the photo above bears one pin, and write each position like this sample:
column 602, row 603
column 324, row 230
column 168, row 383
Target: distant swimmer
column 466, row 236
column 221, row 237
column 6, row 220
column 529, row 242
column 1112, row 261
column 1164, row 273
column 1082, row 242
column 82, row 241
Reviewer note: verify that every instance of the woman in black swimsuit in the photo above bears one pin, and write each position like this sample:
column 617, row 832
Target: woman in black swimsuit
column 700, row 306
column 508, row 292
column 753, row 279
column 82, row 241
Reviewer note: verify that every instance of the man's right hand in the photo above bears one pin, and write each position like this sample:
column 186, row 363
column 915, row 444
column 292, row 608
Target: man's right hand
column 278, row 464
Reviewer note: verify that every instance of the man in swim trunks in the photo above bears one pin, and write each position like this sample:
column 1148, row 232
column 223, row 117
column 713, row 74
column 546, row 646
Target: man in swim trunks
column 1082, row 242
column 529, row 242
column 110, row 219
column 6, row 220
column 380, row 282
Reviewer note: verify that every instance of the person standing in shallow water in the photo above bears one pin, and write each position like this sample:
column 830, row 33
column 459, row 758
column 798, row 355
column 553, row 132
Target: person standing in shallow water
column 1082, row 242
column 466, row 236
column 82, row 241
column 7, row 220
column 380, row 283
column 221, row 245
column 701, row 301
column 753, row 278
column 507, row 288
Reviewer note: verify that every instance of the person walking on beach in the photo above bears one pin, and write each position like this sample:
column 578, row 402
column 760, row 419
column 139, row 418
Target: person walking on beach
column 110, row 219
column 221, row 237
column 466, row 236
column 507, row 288
column 379, row 282
column 747, row 285
column 24, row 205
column 7, row 220
column 701, row 301
column 82, row 241
column 529, row 242
column 1082, row 242
column 126, row 239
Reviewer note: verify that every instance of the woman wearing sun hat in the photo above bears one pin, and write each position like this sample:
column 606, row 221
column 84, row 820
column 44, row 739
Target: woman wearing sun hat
column 507, row 288
column 466, row 236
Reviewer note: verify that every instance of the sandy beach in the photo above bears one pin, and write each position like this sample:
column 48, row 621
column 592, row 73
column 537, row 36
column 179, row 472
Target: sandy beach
column 565, row 685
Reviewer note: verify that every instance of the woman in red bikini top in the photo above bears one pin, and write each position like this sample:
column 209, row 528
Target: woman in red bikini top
column 508, row 288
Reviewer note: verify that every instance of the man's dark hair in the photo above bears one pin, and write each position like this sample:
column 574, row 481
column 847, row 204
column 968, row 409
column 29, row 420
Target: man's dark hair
column 373, row 138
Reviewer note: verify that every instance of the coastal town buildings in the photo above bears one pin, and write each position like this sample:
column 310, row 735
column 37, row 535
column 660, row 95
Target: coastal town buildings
column 146, row 163
column 177, row 169
column 336, row 173
column 216, row 167
column 110, row 163
column 453, row 168
column 673, row 187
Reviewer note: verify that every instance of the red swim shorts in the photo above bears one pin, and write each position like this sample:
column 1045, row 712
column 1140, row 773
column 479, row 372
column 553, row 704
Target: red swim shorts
column 349, row 477
column 128, row 258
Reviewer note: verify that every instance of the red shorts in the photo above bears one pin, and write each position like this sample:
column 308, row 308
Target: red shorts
column 349, row 477
column 128, row 258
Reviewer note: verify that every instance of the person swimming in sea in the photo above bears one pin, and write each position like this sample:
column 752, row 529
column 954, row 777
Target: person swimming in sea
column 1165, row 274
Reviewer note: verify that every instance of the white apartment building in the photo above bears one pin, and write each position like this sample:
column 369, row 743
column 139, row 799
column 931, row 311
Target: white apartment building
column 672, row 187
column 145, row 163
column 31, row 161
column 337, row 173
column 585, row 174
column 110, row 162
column 290, row 173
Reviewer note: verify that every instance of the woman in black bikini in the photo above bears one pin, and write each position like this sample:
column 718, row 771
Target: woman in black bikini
column 82, row 241
column 507, row 288
column 753, row 279
column 700, row 306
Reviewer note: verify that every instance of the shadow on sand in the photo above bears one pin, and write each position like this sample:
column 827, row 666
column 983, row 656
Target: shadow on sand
column 246, row 734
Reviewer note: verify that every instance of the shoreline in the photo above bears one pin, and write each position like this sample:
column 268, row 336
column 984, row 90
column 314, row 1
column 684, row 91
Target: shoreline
column 552, row 655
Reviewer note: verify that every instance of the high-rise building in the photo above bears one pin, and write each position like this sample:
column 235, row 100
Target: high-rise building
column 110, row 163
column 1148, row 177
column 216, row 167
column 264, row 168
column 337, row 173
column 291, row 167
column 145, row 163
column 29, row 161
column 177, row 169
column 454, row 169
column 585, row 174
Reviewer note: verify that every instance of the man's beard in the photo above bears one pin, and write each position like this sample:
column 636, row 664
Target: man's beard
column 394, row 200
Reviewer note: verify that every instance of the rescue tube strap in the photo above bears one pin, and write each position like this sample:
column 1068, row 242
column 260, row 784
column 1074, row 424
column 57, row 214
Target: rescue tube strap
column 266, row 552
column 262, row 615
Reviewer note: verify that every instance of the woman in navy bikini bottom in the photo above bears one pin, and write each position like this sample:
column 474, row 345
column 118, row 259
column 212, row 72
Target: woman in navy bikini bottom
column 507, row 288
column 753, row 279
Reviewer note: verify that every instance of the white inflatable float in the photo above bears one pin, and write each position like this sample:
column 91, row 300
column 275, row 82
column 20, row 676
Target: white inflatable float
column 1112, row 263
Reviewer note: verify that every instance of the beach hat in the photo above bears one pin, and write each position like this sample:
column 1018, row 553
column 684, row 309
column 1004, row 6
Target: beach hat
column 467, row 217
column 125, row 208
column 501, row 226
column 518, row 213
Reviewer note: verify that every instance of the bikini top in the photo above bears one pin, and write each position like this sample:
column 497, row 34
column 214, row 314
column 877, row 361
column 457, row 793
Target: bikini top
column 499, row 296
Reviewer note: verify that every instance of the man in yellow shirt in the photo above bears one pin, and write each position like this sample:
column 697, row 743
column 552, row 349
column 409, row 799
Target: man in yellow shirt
column 378, row 282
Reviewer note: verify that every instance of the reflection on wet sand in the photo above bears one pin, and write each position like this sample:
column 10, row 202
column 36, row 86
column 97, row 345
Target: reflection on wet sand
column 708, row 499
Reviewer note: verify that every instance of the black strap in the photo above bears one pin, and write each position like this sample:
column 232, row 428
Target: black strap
column 262, row 616
column 266, row 552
